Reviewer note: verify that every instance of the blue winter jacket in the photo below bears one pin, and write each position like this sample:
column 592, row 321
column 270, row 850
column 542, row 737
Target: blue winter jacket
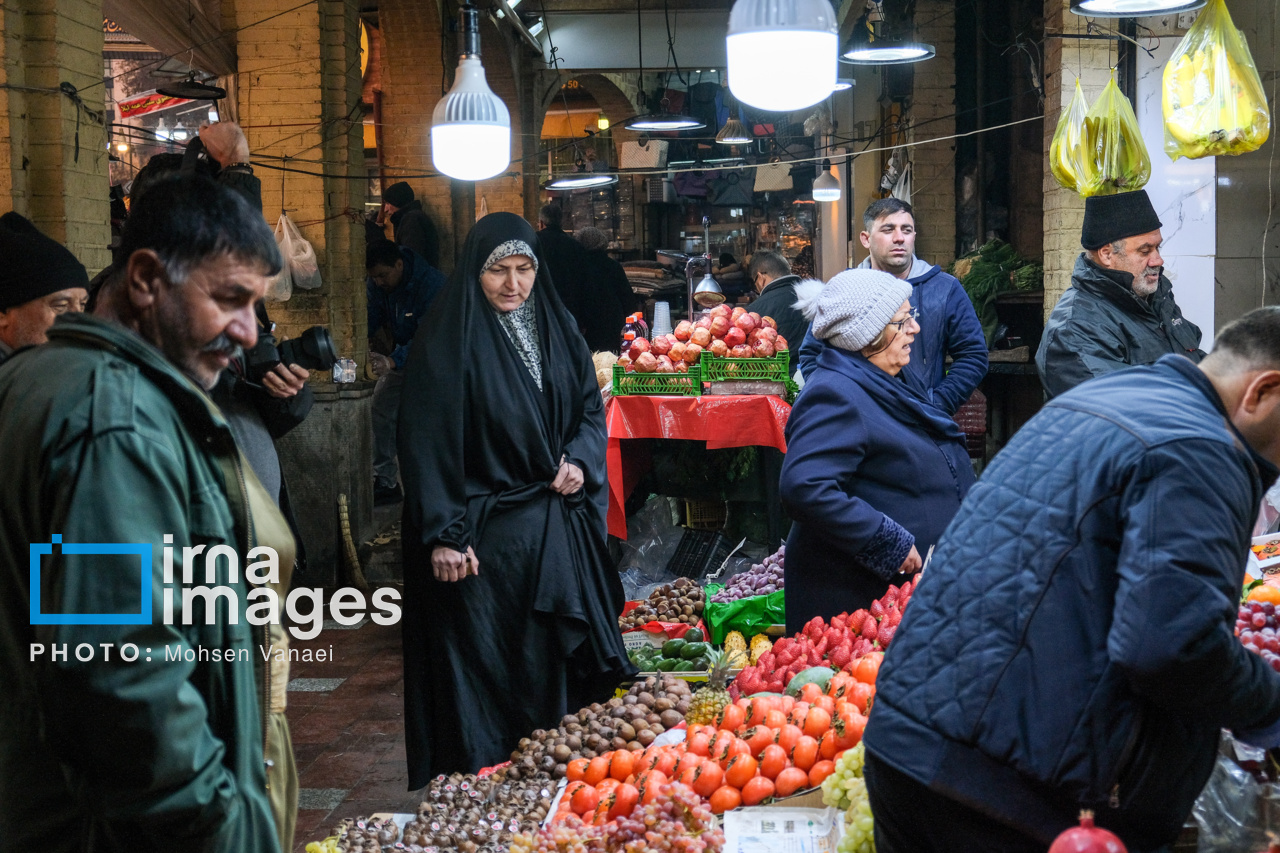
column 948, row 326
column 405, row 306
column 1072, row 643
column 871, row 469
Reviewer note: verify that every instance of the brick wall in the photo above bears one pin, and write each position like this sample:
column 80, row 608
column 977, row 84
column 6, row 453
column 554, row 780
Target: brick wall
column 1064, row 60
column 933, row 102
column 60, row 185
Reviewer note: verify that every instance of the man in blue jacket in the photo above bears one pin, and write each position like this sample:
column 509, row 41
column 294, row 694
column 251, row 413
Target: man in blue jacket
column 399, row 290
column 1071, row 646
column 948, row 324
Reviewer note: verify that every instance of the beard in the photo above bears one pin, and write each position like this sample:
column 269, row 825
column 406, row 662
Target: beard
column 1144, row 286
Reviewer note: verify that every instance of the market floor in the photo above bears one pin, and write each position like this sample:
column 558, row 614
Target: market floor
column 347, row 719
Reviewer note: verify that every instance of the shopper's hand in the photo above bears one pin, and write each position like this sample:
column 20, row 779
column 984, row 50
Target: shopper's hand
column 225, row 142
column 912, row 564
column 568, row 479
column 285, row 380
column 380, row 364
column 451, row 565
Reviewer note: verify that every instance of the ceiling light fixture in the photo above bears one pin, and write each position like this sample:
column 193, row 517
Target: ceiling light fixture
column 843, row 84
column 734, row 132
column 782, row 53
column 1132, row 8
column 870, row 46
column 579, row 179
column 471, row 126
column 662, row 120
column 826, row 187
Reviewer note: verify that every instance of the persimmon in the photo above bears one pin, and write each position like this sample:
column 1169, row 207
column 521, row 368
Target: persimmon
column 726, row 798
column 797, row 714
column 810, row 692
column 805, row 753
column 791, row 780
column 666, row 762
column 720, row 745
column 827, row 747
column 866, row 669
column 737, row 746
column 700, row 744
column 741, row 770
column 584, row 800
column 650, row 785
column 757, row 709
column 773, row 761
column 775, row 719
column 839, row 684
column 689, row 759
column 787, row 737
column 848, row 726
column 622, row 764
column 758, row 738
column 623, row 801
column 826, row 703
column 757, row 791
column 731, row 718
column 596, row 770
column 816, row 722
column 860, row 695
column 820, row 771
column 707, row 778
column 576, row 770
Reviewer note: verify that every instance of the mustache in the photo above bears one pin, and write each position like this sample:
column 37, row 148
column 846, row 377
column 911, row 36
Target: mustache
column 224, row 345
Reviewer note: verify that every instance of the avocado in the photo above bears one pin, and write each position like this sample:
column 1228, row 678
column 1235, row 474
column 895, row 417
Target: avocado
column 672, row 648
column 694, row 650
column 668, row 664
column 693, row 635
column 684, row 666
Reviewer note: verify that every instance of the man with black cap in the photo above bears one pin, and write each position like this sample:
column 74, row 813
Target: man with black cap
column 410, row 223
column 39, row 281
column 1119, row 311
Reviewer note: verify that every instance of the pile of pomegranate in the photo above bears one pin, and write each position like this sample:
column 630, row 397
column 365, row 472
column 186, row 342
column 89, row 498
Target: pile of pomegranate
column 725, row 332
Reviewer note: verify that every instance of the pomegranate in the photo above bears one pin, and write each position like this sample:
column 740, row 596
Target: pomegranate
column 770, row 322
column 677, row 351
column 691, row 353
column 682, row 367
column 701, row 337
column 719, row 348
column 720, row 325
column 703, row 323
column 735, row 337
column 763, row 349
column 737, row 312
column 1087, row 838
column 660, row 346
column 769, row 333
column 637, row 348
column 665, row 365
column 683, row 330
column 721, row 310
column 746, row 323
column 756, row 317
column 780, row 343
column 754, row 337
column 625, row 361
column 740, row 351
column 647, row 362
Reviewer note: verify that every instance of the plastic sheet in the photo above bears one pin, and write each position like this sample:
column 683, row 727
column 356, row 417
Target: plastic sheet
column 749, row 615
column 1213, row 99
column 1236, row 812
column 1065, row 152
column 1114, row 158
column 653, row 534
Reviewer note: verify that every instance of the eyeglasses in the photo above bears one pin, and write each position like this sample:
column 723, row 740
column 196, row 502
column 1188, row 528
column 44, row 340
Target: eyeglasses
column 914, row 315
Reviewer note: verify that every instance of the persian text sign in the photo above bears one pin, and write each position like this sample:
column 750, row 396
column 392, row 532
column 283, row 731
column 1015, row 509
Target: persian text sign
column 149, row 103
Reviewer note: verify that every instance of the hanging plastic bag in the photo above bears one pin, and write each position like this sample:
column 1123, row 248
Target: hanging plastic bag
column 1235, row 808
column 1213, row 98
column 1114, row 158
column 280, row 288
column 299, row 257
column 1065, row 151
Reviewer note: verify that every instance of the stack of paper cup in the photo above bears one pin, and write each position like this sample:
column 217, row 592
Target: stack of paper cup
column 661, row 318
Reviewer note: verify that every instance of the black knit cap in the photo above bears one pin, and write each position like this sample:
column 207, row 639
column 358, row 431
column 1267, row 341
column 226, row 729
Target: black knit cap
column 398, row 194
column 1108, row 218
column 34, row 265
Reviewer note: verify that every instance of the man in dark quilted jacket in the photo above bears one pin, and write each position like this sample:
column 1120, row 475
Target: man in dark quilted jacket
column 1071, row 645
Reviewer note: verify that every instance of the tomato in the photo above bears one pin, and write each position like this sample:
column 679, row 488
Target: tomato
column 827, row 747
column 773, row 761
column 707, row 778
column 597, row 770
column 756, row 791
column 624, row 799
column 805, row 753
column 741, row 770
column 577, row 769
column 621, row 764
column 731, row 718
column 821, row 771
column 787, row 737
column 584, row 800
column 689, row 759
column 866, row 668
column 700, row 744
column 775, row 719
column 791, row 780
column 725, row 799
column 860, row 696
column 758, row 738
column 810, row 693
column 816, row 723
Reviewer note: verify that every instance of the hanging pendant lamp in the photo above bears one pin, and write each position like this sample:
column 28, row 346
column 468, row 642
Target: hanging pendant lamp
column 782, row 53
column 663, row 120
column 579, row 179
column 1132, row 8
column 471, row 127
column 734, row 132
column 873, row 48
column 826, row 187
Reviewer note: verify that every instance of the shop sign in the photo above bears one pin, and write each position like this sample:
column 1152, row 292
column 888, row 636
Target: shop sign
column 151, row 102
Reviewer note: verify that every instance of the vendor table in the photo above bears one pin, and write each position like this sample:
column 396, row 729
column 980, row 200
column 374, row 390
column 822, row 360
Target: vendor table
column 720, row 421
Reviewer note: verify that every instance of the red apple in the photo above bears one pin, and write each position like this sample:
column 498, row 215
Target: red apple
column 746, row 322
column 646, row 363
column 770, row 322
column 735, row 337
column 691, row 353
column 665, row 365
column 780, row 344
column 720, row 325
column 763, row 349
column 683, row 330
column 740, row 351
column 719, row 348
column 701, row 337
column 677, row 351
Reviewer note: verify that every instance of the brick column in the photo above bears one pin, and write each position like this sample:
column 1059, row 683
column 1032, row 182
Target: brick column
column 1064, row 60
column 509, row 77
column 933, row 100
column 59, row 184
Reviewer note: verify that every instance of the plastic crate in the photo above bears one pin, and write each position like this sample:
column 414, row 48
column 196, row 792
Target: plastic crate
column 677, row 384
column 772, row 369
column 699, row 553
column 705, row 515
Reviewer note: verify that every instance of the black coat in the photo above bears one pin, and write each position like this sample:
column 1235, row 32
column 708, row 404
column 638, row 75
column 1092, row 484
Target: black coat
column 607, row 301
column 778, row 300
column 565, row 260
column 1099, row 326
column 414, row 230
column 497, row 655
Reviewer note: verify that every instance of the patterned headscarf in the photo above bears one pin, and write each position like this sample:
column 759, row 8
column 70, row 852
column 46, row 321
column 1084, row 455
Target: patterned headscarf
column 521, row 325
column 509, row 248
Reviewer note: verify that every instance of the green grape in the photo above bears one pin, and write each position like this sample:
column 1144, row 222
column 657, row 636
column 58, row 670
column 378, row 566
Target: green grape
column 859, row 828
column 836, row 787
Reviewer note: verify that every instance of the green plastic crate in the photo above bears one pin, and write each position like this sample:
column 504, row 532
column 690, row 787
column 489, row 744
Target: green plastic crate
column 772, row 369
column 670, row 384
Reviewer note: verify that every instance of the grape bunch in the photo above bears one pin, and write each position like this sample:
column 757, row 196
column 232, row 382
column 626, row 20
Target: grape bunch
column 678, row 821
column 858, row 826
column 838, row 787
column 1258, row 627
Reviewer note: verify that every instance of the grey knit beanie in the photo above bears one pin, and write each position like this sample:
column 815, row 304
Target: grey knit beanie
column 853, row 307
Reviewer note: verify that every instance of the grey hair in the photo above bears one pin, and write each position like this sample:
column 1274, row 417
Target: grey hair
column 591, row 238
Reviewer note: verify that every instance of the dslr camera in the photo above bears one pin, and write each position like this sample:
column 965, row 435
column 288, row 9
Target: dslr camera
column 313, row 350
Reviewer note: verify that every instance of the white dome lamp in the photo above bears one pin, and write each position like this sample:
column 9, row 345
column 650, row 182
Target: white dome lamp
column 782, row 53
column 826, row 187
column 471, row 127
column 1132, row 8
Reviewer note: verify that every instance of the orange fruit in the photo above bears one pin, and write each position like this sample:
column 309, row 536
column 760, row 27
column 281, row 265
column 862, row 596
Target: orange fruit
column 1264, row 592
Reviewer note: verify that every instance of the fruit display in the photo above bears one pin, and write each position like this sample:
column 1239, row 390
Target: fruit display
column 689, row 653
column 760, row 644
column 1258, row 627
column 850, row 643
column 1114, row 157
column 846, row 789
column 730, row 332
column 760, row 579
column 632, row 722
column 680, row 601
column 709, row 700
column 675, row 819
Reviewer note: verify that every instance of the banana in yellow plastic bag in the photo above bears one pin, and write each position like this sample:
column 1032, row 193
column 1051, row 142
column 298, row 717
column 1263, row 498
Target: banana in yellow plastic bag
column 1065, row 151
column 1114, row 157
column 1213, row 98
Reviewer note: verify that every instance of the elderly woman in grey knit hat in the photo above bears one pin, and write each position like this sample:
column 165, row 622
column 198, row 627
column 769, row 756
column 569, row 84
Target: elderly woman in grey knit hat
column 873, row 474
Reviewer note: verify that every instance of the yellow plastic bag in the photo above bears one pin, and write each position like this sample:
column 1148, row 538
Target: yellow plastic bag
column 1213, row 99
column 1065, row 151
column 1114, row 157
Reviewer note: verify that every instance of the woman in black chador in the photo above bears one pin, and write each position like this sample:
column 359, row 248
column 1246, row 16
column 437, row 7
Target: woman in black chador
column 511, row 603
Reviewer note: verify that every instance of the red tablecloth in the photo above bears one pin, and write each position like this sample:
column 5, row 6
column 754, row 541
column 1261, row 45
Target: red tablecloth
column 720, row 421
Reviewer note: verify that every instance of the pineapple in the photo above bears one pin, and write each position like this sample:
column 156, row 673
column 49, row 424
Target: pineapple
column 759, row 645
column 710, row 700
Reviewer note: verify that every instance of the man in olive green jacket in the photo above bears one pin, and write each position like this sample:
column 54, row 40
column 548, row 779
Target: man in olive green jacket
column 135, row 737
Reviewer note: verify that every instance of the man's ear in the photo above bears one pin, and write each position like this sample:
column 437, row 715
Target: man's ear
column 144, row 278
column 866, row 239
column 1262, row 392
